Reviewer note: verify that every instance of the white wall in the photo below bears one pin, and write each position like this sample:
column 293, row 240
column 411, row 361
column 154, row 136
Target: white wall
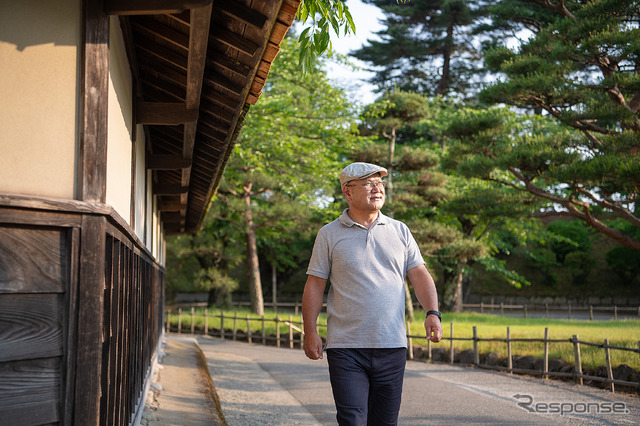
column 39, row 57
column 120, row 131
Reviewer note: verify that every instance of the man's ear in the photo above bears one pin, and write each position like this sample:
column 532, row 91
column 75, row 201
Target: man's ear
column 346, row 191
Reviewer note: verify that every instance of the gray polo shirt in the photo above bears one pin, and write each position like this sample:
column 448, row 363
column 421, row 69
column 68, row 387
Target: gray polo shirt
column 367, row 269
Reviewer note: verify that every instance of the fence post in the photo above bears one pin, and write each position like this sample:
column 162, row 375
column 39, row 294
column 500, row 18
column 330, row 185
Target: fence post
column 264, row 332
column 607, row 353
column 525, row 311
column 169, row 321
column 179, row 320
column 569, row 310
column 193, row 322
column 222, row 324
column 206, row 321
column 546, row 310
column 546, row 354
column 296, row 308
column 590, row 312
column 492, row 305
column 248, row 330
column 476, row 354
column 482, row 307
column 410, row 342
column 277, row 331
column 615, row 312
column 235, row 325
column 301, row 333
column 451, row 346
column 290, row 332
column 509, row 357
column 502, row 308
column 578, row 360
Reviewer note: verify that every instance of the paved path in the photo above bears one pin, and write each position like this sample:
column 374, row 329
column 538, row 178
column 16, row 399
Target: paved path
column 264, row 385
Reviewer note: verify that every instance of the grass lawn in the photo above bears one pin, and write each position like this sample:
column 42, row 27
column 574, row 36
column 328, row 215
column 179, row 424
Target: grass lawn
column 624, row 333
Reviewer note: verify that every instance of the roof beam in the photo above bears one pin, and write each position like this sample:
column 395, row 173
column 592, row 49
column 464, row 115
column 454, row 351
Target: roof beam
column 235, row 41
column 242, row 13
column 171, row 206
column 169, row 189
column 151, row 7
column 167, row 162
column 161, row 113
column 199, row 20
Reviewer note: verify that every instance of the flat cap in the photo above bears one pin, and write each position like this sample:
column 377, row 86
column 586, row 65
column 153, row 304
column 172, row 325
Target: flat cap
column 355, row 171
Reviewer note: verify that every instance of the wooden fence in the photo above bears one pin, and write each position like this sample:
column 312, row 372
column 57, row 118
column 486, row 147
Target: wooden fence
column 568, row 311
column 258, row 334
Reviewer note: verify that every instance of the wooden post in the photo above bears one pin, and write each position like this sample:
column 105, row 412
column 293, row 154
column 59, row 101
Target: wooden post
column 193, row 323
column 476, row 354
column 264, row 332
column 590, row 312
column 290, row 332
column 169, row 321
column 222, row 324
column 546, row 310
column 248, row 330
column 578, row 360
column 277, row 331
column 502, row 308
column 509, row 357
column 410, row 340
column 545, row 367
column 615, row 312
column 492, row 305
column 525, row 311
column 297, row 308
column 235, row 325
column 179, row 320
column 206, row 321
column 607, row 353
column 482, row 307
column 451, row 346
column 569, row 311
column 301, row 332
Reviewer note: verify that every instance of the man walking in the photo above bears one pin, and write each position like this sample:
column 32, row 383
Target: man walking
column 366, row 256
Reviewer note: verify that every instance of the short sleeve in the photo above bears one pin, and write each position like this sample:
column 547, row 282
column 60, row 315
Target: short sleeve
column 414, row 257
column 320, row 263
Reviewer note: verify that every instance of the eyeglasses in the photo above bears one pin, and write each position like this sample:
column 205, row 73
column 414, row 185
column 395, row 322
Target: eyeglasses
column 370, row 184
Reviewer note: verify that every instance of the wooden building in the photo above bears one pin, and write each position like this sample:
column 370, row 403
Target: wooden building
column 118, row 117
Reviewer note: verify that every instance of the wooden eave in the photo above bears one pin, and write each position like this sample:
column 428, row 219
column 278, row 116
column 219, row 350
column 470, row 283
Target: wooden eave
column 198, row 66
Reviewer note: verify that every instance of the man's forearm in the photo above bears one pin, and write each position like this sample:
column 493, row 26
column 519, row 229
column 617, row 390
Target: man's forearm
column 424, row 288
column 312, row 299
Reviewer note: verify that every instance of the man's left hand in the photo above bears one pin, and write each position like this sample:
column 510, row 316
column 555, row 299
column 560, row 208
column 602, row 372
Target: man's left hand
column 433, row 328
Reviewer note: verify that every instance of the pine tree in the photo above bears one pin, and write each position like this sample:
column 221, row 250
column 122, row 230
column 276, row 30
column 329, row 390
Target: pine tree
column 427, row 46
column 579, row 70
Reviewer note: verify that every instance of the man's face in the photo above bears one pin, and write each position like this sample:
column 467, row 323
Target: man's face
column 365, row 194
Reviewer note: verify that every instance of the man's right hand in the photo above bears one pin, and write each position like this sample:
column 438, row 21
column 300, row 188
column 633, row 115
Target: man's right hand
column 313, row 346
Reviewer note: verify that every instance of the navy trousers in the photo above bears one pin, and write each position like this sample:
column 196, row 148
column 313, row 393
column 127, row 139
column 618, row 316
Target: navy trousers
column 367, row 384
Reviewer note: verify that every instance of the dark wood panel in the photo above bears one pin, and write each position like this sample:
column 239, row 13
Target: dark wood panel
column 30, row 392
column 30, row 326
column 32, row 260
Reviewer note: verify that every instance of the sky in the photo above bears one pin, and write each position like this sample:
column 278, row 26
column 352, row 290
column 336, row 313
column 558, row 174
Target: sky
column 366, row 19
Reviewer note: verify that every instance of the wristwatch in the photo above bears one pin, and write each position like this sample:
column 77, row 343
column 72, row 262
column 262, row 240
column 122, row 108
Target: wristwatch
column 436, row 313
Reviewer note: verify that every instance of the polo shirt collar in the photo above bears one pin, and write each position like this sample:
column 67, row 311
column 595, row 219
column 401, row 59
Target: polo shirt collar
column 347, row 221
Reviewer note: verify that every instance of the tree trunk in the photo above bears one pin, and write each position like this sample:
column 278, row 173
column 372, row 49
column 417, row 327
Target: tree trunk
column 408, row 302
column 392, row 150
column 253, row 267
column 452, row 297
